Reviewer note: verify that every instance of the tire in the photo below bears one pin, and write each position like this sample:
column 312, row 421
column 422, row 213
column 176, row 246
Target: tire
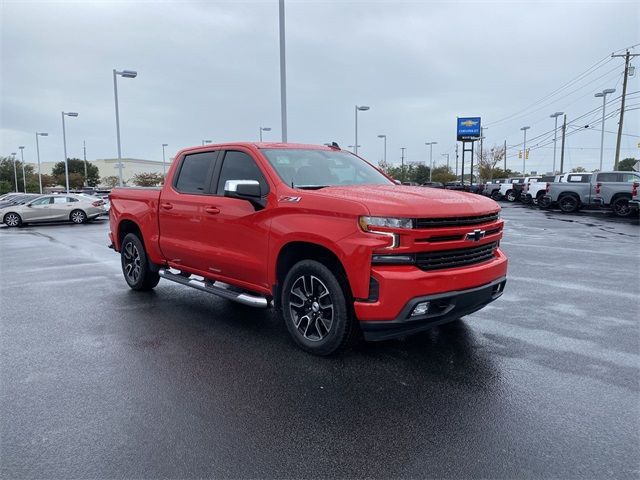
column 511, row 196
column 12, row 220
column 496, row 195
column 621, row 207
column 135, row 264
column 78, row 217
column 569, row 204
column 544, row 203
column 526, row 199
column 315, row 309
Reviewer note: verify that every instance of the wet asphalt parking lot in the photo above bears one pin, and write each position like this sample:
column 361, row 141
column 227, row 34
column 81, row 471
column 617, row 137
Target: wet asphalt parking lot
column 98, row 381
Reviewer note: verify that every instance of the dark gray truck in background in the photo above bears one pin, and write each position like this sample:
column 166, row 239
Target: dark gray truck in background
column 593, row 190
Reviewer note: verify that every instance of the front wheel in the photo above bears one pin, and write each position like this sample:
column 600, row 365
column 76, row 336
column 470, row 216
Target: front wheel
column 315, row 310
column 511, row 196
column 496, row 195
column 12, row 219
column 621, row 207
column 135, row 265
column 78, row 217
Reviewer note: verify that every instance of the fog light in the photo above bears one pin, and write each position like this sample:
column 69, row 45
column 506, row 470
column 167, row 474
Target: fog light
column 420, row 309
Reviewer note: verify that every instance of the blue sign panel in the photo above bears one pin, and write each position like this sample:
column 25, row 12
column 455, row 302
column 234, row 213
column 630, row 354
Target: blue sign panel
column 468, row 128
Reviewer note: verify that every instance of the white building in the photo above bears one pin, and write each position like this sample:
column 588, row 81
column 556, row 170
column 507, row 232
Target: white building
column 109, row 167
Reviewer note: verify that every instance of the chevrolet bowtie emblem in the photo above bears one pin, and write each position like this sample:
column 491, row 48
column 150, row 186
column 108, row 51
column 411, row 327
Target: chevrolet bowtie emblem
column 468, row 123
column 476, row 235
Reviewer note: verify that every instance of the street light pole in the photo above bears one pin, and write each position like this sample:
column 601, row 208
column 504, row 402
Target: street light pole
column 38, row 153
column 524, row 148
column 446, row 155
column 84, row 155
column 124, row 74
column 24, row 178
column 164, row 164
column 384, row 137
column 555, row 137
column 283, row 73
column 15, row 170
column 402, row 163
column 430, row 145
column 264, row 129
column 603, row 94
column 361, row 108
column 64, row 143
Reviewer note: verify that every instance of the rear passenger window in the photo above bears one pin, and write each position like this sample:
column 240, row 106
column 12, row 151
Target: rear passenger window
column 608, row 177
column 58, row 200
column 630, row 177
column 240, row 166
column 194, row 171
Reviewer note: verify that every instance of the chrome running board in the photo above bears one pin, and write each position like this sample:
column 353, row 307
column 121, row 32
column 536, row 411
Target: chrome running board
column 217, row 288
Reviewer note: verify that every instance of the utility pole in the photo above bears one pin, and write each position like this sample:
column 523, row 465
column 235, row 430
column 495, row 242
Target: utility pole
column 402, row 163
column 564, row 131
column 456, row 160
column 283, row 74
column 627, row 57
column 84, row 152
column 505, row 156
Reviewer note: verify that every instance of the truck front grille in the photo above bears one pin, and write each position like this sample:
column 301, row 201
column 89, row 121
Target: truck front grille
column 455, row 258
column 455, row 221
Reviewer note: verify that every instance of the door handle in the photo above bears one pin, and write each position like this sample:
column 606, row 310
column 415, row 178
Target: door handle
column 166, row 206
column 212, row 210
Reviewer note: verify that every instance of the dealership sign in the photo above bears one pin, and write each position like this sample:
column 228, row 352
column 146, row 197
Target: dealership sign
column 468, row 128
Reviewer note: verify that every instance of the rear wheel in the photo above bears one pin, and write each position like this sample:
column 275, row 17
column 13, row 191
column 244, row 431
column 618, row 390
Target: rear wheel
column 12, row 219
column 569, row 203
column 621, row 207
column 78, row 217
column 315, row 310
column 496, row 195
column 135, row 265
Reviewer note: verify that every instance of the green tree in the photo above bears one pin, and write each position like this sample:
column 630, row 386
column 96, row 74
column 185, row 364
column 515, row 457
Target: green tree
column 76, row 165
column 578, row 170
column 5, row 187
column 627, row 164
column 8, row 174
column 147, row 179
column 443, row 174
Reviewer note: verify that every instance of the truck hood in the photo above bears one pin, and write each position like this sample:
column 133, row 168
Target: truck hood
column 416, row 202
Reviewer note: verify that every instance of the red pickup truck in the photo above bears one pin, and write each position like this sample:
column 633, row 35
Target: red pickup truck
column 317, row 232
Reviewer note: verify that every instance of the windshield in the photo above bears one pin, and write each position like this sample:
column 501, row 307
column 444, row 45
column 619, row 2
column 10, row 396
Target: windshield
column 302, row 168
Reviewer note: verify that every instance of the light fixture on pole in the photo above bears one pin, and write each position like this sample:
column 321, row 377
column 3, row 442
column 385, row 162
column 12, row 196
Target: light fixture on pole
column 15, row 170
column 384, row 137
column 555, row 137
column 524, row 148
column 204, row 142
column 39, row 134
column 362, row 108
column 64, row 143
column 24, row 178
column 264, row 129
column 164, row 164
column 430, row 145
column 603, row 94
column 124, row 74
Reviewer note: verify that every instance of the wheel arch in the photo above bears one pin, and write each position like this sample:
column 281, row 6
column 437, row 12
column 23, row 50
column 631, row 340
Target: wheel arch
column 295, row 251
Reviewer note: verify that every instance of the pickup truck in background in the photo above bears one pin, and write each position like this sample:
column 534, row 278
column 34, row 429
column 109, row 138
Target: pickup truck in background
column 634, row 203
column 511, row 189
column 528, row 181
column 534, row 191
column 317, row 232
column 492, row 188
column 598, row 190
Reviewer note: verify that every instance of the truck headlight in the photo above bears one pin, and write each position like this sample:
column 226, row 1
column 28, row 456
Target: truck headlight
column 369, row 223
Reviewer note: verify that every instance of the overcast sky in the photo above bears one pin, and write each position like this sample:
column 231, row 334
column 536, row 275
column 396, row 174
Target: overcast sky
column 210, row 70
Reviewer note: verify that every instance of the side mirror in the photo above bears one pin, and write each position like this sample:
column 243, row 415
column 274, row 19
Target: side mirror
column 246, row 189
column 29, row 205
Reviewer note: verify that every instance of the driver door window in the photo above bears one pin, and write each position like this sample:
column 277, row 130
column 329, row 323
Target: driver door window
column 240, row 166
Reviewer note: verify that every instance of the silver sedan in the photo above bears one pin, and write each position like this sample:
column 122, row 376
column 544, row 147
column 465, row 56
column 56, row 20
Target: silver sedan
column 53, row 208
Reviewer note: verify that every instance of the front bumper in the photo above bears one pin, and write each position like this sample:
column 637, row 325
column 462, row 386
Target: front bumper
column 443, row 308
column 398, row 286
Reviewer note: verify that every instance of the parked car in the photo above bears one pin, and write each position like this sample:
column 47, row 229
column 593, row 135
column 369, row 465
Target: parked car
column 511, row 189
column 534, row 186
column 492, row 188
column 598, row 190
column 433, row 184
column 456, row 186
column 52, row 208
column 319, row 233
column 634, row 203
column 101, row 201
